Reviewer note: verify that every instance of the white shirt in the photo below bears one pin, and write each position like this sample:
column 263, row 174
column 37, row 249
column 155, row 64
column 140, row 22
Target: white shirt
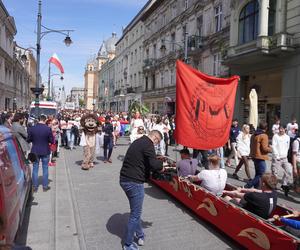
column 280, row 145
column 291, row 129
column 214, row 180
column 275, row 128
column 187, row 167
column 160, row 127
column 135, row 123
column 243, row 144
column 296, row 149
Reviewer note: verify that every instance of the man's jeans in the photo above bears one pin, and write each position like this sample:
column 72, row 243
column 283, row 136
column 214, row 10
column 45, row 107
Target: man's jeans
column 35, row 171
column 107, row 146
column 70, row 137
column 260, row 169
column 135, row 194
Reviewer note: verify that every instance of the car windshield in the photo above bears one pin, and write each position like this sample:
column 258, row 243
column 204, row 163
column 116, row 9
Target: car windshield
column 45, row 111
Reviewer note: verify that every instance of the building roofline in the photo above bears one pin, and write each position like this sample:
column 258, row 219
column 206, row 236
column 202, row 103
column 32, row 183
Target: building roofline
column 138, row 17
column 4, row 8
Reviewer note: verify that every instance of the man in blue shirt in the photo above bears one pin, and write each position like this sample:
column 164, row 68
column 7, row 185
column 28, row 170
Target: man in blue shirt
column 41, row 137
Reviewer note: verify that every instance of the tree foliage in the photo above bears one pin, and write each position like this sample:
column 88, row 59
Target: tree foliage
column 137, row 106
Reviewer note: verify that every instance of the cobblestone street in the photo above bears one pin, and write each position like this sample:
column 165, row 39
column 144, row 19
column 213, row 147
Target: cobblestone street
column 88, row 210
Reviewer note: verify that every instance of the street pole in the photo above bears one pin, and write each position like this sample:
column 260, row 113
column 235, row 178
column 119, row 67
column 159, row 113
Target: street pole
column 185, row 47
column 38, row 54
column 49, row 76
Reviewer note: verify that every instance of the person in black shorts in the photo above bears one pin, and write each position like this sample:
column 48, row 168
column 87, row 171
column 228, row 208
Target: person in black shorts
column 261, row 202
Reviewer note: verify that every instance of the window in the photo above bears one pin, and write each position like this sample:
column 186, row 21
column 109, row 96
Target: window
column 146, row 83
column 162, row 79
column 154, row 51
column 248, row 22
column 186, row 4
column 7, row 103
column 272, row 16
column 172, row 77
column 173, row 37
column 184, row 32
column 217, row 64
column 199, row 25
column 174, row 9
column 218, row 17
column 153, row 81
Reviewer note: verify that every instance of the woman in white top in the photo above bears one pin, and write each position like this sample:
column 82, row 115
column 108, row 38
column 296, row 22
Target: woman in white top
column 243, row 148
column 213, row 179
column 136, row 122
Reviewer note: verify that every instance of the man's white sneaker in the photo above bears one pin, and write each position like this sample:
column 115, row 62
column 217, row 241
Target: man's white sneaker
column 141, row 242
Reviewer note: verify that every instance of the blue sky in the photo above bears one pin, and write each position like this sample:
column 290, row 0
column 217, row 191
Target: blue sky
column 92, row 20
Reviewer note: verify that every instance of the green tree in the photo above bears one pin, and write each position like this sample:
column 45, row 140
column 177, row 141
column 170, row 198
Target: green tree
column 137, row 106
column 81, row 103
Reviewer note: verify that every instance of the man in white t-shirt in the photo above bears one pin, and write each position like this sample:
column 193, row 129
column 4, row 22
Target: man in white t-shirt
column 292, row 128
column 296, row 162
column 187, row 165
column 213, row 179
column 280, row 148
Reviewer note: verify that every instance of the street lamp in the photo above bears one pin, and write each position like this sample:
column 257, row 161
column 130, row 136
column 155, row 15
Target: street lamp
column 49, row 78
column 163, row 46
column 40, row 34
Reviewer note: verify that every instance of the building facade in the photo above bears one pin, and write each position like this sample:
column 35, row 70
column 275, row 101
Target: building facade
column 77, row 96
column 15, row 75
column 129, row 62
column 106, row 75
column 91, row 84
column 197, row 31
column 264, row 51
column 107, row 86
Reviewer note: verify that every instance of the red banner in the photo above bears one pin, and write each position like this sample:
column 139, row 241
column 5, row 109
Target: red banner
column 204, row 108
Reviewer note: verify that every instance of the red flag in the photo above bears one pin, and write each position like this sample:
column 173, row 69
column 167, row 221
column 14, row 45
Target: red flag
column 55, row 60
column 204, row 108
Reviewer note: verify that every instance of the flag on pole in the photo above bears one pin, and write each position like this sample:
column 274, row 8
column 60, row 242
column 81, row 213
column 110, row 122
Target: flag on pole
column 55, row 60
column 204, row 108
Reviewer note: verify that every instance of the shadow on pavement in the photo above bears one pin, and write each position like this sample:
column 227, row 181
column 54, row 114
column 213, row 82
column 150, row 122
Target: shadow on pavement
column 40, row 180
column 157, row 193
column 21, row 237
column 117, row 224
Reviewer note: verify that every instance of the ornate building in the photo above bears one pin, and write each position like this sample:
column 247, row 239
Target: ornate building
column 14, row 73
column 93, row 79
column 264, row 51
column 198, row 30
column 91, row 83
column 106, row 77
column 129, row 62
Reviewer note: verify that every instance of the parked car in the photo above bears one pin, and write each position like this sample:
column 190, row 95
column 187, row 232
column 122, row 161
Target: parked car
column 15, row 186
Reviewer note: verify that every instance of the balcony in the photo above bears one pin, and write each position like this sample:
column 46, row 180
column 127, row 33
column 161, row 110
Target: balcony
column 195, row 43
column 130, row 90
column 117, row 92
column 149, row 63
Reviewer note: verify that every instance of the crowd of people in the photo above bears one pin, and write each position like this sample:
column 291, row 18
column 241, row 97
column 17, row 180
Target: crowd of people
column 150, row 137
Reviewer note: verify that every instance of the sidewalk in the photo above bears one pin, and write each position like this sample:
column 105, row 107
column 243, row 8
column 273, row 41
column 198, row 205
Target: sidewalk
column 49, row 221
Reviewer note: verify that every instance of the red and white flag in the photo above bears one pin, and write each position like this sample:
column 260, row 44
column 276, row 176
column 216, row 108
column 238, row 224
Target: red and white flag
column 55, row 60
column 204, row 108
